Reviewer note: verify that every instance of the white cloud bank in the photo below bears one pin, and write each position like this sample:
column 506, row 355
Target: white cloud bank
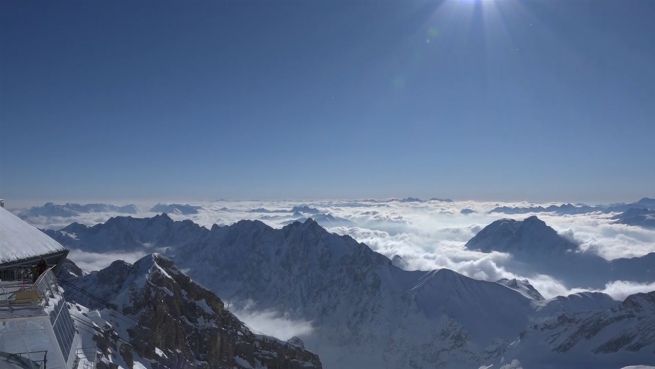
column 272, row 323
column 619, row 290
column 90, row 261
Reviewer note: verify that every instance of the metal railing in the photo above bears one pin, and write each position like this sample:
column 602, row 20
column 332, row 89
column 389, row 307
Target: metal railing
column 31, row 360
column 17, row 295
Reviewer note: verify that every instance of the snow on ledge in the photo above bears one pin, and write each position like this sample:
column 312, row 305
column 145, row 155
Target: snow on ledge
column 20, row 240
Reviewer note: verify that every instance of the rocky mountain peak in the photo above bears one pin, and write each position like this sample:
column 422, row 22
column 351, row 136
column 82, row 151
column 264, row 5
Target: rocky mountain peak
column 641, row 302
column 163, row 217
column 74, row 227
column 522, row 286
column 308, row 224
column 171, row 319
column 647, row 202
column 531, row 235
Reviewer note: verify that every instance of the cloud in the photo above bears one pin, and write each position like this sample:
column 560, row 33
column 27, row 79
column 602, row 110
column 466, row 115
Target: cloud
column 619, row 290
column 599, row 234
column 272, row 323
column 90, row 261
column 548, row 286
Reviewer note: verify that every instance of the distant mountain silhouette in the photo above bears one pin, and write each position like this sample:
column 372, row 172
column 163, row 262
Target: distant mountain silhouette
column 637, row 217
column 538, row 248
column 184, row 209
column 68, row 210
column 571, row 209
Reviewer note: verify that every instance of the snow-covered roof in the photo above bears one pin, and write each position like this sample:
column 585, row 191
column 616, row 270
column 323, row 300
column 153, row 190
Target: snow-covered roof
column 19, row 240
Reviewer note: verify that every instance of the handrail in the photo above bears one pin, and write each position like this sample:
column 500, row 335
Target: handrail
column 31, row 296
column 46, row 281
column 25, row 358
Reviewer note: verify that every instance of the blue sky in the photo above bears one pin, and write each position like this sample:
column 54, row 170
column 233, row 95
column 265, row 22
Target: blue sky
column 490, row 99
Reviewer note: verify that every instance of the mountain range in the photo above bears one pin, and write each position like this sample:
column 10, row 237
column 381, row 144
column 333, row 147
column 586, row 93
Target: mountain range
column 152, row 313
column 570, row 209
column 184, row 209
column 637, row 217
column 368, row 313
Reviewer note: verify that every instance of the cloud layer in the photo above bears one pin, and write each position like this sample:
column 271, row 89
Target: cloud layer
column 271, row 323
column 90, row 261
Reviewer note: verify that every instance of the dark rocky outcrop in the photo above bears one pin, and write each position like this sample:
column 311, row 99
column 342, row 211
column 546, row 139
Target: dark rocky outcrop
column 537, row 248
column 172, row 320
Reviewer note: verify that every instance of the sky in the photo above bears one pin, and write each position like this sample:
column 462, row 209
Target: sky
column 483, row 100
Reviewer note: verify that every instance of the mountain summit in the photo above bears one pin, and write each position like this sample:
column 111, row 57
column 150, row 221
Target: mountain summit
column 531, row 236
column 537, row 248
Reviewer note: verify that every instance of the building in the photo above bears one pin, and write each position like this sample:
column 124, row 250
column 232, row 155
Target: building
column 36, row 328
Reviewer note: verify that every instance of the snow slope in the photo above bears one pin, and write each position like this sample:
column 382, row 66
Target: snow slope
column 603, row 339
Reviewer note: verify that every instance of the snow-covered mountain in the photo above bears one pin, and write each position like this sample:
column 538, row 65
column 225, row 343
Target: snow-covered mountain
column 366, row 312
column 522, row 286
column 530, row 237
column 169, row 321
column 129, row 234
column 609, row 338
column 576, row 303
column 537, row 248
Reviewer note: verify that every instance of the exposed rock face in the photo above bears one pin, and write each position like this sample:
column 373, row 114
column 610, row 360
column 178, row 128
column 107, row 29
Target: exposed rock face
column 522, row 286
column 624, row 333
column 68, row 270
column 641, row 302
column 173, row 320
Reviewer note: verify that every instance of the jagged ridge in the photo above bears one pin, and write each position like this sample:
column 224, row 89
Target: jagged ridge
column 185, row 321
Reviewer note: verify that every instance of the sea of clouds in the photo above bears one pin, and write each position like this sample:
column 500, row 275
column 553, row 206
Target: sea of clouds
column 418, row 235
